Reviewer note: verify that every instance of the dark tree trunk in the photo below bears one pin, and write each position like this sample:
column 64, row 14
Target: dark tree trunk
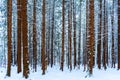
column 34, row 38
column 25, row 38
column 118, row 34
column 43, row 37
column 19, row 36
column 52, row 34
column 99, row 37
column 9, row 35
column 79, row 40
column 74, row 37
column 63, row 32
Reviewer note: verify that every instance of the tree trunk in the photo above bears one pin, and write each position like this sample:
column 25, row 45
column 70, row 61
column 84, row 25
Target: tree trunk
column 19, row 36
column 118, row 34
column 113, row 52
column 99, row 37
column 68, row 56
column 9, row 34
column 25, row 38
column 43, row 37
column 86, row 41
column 74, row 37
column 105, row 44
column 63, row 32
column 34, row 38
column 91, row 38
column 52, row 34
column 70, row 42
column 79, row 40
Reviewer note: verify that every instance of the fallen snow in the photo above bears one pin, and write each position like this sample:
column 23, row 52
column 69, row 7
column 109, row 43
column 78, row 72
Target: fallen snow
column 55, row 74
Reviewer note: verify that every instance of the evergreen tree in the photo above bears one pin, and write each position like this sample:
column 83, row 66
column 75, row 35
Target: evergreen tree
column 25, row 38
column 9, row 35
column 43, row 37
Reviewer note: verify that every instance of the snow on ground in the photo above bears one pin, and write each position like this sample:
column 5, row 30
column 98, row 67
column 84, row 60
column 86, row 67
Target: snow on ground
column 55, row 74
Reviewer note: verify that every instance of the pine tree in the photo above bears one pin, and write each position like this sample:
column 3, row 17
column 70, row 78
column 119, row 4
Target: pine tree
column 79, row 39
column 70, row 42
column 43, row 37
column 9, row 35
column 112, row 22
column 19, row 35
column 91, row 36
column 52, row 34
column 74, row 37
column 118, row 34
column 34, row 38
column 63, row 32
column 105, row 33
column 99, row 37
column 86, row 40
column 48, row 34
column 68, row 54
column 70, row 35
column 25, row 38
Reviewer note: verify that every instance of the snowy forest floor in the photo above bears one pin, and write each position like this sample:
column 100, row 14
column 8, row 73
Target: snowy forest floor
column 56, row 74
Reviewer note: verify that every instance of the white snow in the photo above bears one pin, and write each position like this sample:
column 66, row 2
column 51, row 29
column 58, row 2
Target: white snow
column 55, row 74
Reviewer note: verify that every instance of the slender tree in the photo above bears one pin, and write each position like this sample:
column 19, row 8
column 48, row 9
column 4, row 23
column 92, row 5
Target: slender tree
column 25, row 38
column 103, row 35
column 43, row 37
column 112, row 22
column 99, row 37
column 63, row 32
column 52, row 34
column 49, row 33
column 118, row 34
column 14, row 46
column 70, row 34
column 9, row 35
column 68, row 56
column 105, row 30
column 91, row 38
column 34, row 38
column 79, row 39
column 86, row 40
column 70, row 40
column 74, row 37
column 19, row 35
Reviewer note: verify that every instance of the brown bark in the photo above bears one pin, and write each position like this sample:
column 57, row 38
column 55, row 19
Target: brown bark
column 34, row 38
column 99, row 37
column 91, row 38
column 70, row 35
column 25, row 39
column 9, row 35
column 63, row 32
column 43, row 37
column 19, row 36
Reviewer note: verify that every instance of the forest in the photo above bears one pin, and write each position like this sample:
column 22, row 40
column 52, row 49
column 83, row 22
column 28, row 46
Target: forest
column 39, row 35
